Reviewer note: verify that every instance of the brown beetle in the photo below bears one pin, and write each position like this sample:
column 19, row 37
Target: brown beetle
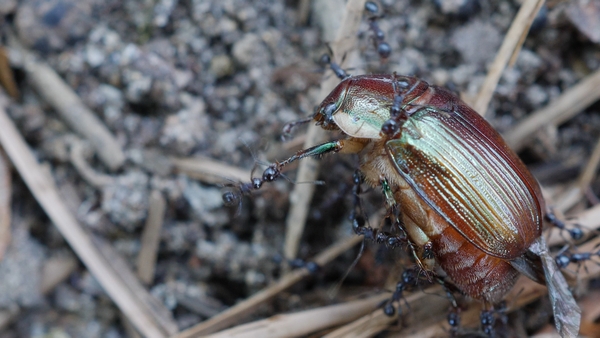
column 461, row 191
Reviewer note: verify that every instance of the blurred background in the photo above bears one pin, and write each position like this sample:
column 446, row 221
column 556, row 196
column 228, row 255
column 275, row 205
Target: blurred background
column 143, row 112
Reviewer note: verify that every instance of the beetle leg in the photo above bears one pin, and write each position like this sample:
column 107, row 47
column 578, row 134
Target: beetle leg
column 387, row 193
column 424, row 251
column 273, row 172
column 343, row 146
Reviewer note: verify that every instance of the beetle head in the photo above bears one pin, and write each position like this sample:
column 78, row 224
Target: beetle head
column 356, row 107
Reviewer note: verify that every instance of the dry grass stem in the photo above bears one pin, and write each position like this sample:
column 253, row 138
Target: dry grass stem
column 588, row 174
column 244, row 309
column 146, row 261
column 415, row 316
column 302, row 194
column 69, row 106
column 7, row 80
column 508, row 51
column 5, row 202
column 366, row 326
column 210, row 171
column 56, row 270
column 43, row 188
column 304, row 322
column 153, row 308
column 568, row 104
column 77, row 158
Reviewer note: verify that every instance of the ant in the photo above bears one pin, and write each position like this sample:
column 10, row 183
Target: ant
column 575, row 233
column 409, row 279
column 383, row 48
column 564, row 257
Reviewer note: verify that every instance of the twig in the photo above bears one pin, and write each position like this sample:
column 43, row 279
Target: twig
column 378, row 321
column 77, row 158
column 152, row 307
column 508, row 51
column 590, row 312
column 568, row 104
column 5, row 199
column 209, row 171
column 303, row 11
column 588, row 174
column 245, row 308
column 146, row 261
column 7, row 80
column 304, row 322
column 70, row 107
column 43, row 188
column 302, row 194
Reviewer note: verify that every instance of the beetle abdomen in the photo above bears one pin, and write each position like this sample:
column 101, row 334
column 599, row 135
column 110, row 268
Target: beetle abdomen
column 476, row 273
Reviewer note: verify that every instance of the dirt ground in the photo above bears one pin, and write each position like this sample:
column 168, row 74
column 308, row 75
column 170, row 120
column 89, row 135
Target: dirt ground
column 183, row 98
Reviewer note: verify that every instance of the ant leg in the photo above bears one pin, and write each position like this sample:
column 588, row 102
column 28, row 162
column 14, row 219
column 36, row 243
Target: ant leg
column 398, row 114
column 453, row 319
column 335, row 68
column 576, row 233
column 426, row 259
column 487, row 320
column 311, row 266
column 410, row 278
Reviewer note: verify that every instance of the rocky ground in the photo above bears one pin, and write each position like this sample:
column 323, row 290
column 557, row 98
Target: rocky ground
column 219, row 79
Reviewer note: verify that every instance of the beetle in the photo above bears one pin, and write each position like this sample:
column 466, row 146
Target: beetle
column 461, row 192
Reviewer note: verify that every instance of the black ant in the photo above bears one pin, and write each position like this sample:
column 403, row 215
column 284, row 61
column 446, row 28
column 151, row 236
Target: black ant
column 564, row 257
column 575, row 233
column 383, row 48
column 408, row 280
